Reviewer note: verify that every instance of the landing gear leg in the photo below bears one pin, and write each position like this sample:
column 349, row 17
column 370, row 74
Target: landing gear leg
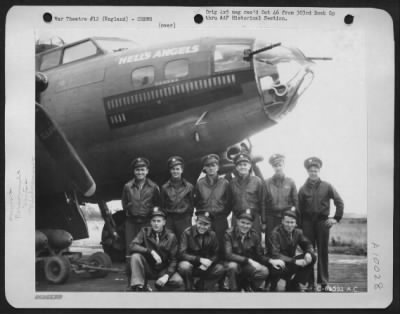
column 113, row 234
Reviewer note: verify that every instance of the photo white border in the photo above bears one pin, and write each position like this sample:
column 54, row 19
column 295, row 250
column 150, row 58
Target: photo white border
column 19, row 126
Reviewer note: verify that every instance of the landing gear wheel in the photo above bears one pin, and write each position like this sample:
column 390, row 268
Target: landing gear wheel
column 115, row 248
column 99, row 259
column 56, row 269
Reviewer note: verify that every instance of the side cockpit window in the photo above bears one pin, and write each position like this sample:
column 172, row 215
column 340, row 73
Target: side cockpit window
column 230, row 57
column 79, row 51
column 176, row 69
column 50, row 60
column 143, row 77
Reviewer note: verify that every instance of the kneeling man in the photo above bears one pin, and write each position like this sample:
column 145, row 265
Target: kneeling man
column 296, row 271
column 245, row 259
column 154, row 256
column 198, row 253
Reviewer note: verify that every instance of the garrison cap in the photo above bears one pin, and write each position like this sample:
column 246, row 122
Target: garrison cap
column 242, row 157
column 175, row 160
column 246, row 214
column 204, row 215
column 289, row 213
column 313, row 161
column 275, row 159
column 156, row 211
column 210, row 159
column 140, row 162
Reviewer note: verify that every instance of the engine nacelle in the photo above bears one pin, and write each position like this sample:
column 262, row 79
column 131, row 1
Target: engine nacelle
column 227, row 165
column 234, row 150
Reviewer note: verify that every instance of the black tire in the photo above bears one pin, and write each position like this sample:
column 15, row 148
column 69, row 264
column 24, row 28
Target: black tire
column 115, row 248
column 99, row 259
column 57, row 269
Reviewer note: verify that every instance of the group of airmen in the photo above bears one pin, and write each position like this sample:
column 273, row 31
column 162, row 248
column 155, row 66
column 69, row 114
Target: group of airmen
column 163, row 245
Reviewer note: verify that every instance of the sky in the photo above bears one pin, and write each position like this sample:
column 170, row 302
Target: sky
column 330, row 119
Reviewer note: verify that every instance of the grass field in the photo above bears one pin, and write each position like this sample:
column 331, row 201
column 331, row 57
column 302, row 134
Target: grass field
column 349, row 237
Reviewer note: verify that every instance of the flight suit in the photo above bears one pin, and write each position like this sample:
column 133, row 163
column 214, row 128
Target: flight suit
column 282, row 245
column 283, row 195
column 238, row 251
column 137, row 204
column 177, row 202
column 248, row 192
column 314, row 208
column 143, row 266
column 213, row 197
column 194, row 246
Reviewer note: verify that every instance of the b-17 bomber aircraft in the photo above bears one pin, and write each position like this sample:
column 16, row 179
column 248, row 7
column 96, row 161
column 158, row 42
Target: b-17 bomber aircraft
column 100, row 102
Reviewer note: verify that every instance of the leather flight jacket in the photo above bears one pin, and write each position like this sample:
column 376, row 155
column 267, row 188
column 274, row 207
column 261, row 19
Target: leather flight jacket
column 138, row 202
column 167, row 248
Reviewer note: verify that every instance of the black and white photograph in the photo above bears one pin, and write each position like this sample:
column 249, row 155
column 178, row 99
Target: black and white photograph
column 166, row 164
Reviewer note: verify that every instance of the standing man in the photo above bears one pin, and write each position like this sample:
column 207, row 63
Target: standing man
column 154, row 256
column 244, row 255
column 177, row 198
column 282, row 190
column 293, row 272
column 314, row 207
column 247, row 191
column 198, row 252
column 211, row 194
column 139, row 196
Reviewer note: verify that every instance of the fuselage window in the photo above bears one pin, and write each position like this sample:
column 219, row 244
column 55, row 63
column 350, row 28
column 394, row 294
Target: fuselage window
column 229, row 57
column 50, row 60
column 143, row 76
column 176, row 69
column 79, row 51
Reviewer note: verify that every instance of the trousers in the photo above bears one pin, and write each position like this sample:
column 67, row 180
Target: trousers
column 220, row 225
column 141, row 272
column 318, row 234
column 132, row 228
column 177, row 223
column 208, row 278
column 239, row 275
column 272, row 222
column 292, row 273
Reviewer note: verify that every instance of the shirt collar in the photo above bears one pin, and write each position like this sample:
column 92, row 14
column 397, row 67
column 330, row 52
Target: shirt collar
column 313, row 183
column 134, row 183
column 243, row 179
column 182, row 181
column 151, row 232
column 287, row 234
column 277, row 178
column 239, row 235
column 209, row 182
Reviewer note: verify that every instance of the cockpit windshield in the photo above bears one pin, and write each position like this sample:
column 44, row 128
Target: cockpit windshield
column 229, row 57
column 112, row 45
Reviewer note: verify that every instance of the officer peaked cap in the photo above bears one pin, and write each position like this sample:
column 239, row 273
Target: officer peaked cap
column 175, row 160
column 204, row 215
column 312, row 161
column 290, row 213
column 140, row 162
column 246, row 214
column 275, row 159
column 242, row 157
column 156, row 211
column 210, row 159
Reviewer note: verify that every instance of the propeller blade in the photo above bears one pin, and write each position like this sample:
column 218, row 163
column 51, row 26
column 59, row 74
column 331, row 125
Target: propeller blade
column 257, row 171
column 62, row 151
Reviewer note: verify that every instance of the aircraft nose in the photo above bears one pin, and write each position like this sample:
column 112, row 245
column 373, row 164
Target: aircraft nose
column 282, row 74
